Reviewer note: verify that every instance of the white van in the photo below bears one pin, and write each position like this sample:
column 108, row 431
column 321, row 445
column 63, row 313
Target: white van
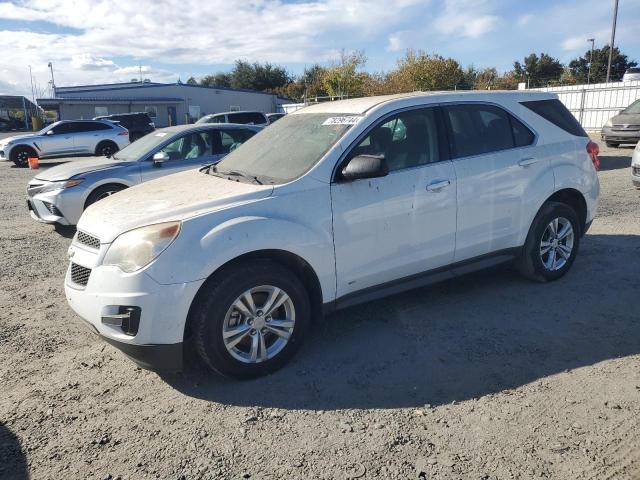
column 335, row 204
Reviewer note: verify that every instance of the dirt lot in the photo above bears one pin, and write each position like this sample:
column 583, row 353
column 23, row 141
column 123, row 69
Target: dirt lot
column 485, row 377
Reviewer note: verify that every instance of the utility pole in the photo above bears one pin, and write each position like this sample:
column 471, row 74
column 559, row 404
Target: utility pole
column 613, row 37
column 53, row 82
column 33, row 94
column 592, row 40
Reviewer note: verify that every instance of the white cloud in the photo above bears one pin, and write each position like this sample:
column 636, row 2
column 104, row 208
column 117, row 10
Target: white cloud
column 466, row 18
column 524, row 20
column 95, row 35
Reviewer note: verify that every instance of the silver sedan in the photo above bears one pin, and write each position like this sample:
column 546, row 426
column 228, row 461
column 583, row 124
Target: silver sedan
column 60, row 194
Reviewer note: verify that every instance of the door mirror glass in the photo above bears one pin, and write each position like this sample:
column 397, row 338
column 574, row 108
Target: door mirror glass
column 365, row 166
column 50, row 132
column 159, row 158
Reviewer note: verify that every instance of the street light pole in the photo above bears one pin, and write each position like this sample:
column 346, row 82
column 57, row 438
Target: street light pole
column 53, row 82
column 613, row 37
column 592, row 40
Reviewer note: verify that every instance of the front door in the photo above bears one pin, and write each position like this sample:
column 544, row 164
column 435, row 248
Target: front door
column 59, row 140
column 191, row 150
column 402, row 224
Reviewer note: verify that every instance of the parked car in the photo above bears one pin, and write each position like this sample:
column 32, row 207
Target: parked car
column 272, row 117
column 67, row 137
column 624, row 127
column 138, row 123
column 248, row 118
column 60, row 194
column 632, row 74
column 635, row 166
column 335, row 204
column 8, row 124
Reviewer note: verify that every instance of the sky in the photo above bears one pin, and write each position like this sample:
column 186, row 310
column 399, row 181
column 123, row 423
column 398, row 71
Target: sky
column 96, row 41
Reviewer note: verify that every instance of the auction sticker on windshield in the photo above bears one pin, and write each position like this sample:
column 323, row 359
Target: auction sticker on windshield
column 349, row 120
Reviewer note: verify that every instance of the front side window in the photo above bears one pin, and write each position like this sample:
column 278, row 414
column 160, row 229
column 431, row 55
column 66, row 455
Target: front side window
column 289, row 147
column 407, row 140
column 477, row 129
column 190, row 147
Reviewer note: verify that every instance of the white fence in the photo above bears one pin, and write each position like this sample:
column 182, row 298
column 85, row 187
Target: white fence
column 596, row 103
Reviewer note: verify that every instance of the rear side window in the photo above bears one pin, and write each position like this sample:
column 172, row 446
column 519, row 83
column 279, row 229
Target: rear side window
column 477, row 129
column 254, row 118
column 555, row 112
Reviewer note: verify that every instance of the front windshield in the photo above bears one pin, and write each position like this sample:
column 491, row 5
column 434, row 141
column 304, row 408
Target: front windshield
column 633, row 108
column 289, row 147
column 139, row 148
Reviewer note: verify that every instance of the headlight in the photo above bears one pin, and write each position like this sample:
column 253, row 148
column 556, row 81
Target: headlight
column 137, row 248
column 61, row 184
column 609, row 123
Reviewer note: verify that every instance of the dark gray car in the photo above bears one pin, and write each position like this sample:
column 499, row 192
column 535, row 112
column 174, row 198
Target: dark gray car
column 624, row 127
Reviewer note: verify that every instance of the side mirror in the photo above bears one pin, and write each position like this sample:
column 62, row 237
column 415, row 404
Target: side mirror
column 365, row 166
column 159, row 158
column 49, row 132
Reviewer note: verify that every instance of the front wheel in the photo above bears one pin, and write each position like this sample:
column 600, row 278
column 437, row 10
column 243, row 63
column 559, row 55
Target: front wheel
column 250, row 320
column 552, row 243
column 20, row 156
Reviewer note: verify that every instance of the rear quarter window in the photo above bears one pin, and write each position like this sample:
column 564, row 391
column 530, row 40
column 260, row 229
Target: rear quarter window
column 555, row 112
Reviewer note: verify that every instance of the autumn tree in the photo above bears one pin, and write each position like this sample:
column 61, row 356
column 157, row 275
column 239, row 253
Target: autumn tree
column 421, row 71
column 346, row 77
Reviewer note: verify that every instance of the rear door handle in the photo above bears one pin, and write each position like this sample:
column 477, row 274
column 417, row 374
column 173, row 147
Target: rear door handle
column 525, row 162
column 438, row 185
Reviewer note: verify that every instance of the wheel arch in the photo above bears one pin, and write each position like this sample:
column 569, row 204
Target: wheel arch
column 105, row 183
column 106, row 140
column 289, row 260
column 575, row 199
column 23, row 145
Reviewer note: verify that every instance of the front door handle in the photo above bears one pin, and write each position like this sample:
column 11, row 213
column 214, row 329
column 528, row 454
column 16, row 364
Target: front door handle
column 525, row 162
column 438, row 185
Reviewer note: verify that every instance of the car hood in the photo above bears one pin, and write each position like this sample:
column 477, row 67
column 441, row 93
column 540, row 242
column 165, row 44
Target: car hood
column 76, row 167
column 626, row 119
column 174, row 197
column 16, row 137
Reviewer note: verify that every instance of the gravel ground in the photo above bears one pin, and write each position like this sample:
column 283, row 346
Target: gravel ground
column 485, row 377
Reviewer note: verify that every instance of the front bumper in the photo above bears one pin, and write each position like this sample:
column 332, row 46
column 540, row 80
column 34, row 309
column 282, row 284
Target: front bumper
column 157, row 344
column 614, row 135
column 63, row 206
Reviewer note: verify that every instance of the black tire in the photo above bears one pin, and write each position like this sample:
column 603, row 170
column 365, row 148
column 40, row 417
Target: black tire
column 531, row 264
column 612, row 145
column 103, row 192
column 216, row 298
column 106, row 149
column 20, row 155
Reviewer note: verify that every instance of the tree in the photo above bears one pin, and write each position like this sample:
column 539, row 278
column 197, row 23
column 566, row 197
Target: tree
column 255, row 76
column 345, row 77
column 421, row 71
column 482, row 79
column 192, row 81
column 218, row 80
column 579, row 67
column 539, row 71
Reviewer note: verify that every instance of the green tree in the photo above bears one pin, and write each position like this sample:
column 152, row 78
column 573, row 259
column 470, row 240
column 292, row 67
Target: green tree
column 579, row 67
column 256, row 76
column 345, row 76
column 192, row 81
column 539, row 71
column 421, row 71
column 217, row 80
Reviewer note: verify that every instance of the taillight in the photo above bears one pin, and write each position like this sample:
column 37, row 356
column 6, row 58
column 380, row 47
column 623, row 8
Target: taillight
column 126, row 132
column 593, row 150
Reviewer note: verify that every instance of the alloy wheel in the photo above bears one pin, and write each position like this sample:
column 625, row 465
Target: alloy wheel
column 258, row 324
column 556, row 244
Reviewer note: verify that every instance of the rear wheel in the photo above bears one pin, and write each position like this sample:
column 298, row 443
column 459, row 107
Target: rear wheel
column 20, row 156
column 106, row 149
column 251, row 320
column 552, row 243
column 103, row 192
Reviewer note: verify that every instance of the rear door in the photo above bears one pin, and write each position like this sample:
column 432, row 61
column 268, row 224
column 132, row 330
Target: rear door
column 87, row 135
column 498, row 168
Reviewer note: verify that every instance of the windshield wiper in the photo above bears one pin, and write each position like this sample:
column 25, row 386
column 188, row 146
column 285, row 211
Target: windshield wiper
column 233, row 173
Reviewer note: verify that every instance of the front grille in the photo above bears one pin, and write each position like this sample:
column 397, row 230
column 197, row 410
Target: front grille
column 636, row 171
column 625, row 127
column 80, row 274
column 88, row 240
column 53, row 209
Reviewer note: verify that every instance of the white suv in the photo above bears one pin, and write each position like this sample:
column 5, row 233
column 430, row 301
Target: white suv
column 334, row 204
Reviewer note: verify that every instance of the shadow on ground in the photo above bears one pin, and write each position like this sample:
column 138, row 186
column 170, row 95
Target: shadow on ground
column 610, row 162
column 462, row 339
column 13, row 463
